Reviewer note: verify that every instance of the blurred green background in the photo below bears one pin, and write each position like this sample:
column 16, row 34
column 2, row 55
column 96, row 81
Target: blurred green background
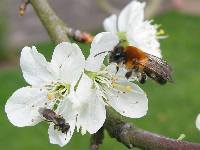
column 173, row 108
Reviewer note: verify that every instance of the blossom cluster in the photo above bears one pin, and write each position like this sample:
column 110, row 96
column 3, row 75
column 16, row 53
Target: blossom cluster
column 80, row 89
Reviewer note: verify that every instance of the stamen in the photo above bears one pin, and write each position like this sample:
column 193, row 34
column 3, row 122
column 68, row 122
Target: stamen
column 160, row 32
column 50, row 96
column 57, row 91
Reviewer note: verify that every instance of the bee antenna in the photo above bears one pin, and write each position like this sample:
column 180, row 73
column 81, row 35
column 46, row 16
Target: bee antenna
column 101, row 53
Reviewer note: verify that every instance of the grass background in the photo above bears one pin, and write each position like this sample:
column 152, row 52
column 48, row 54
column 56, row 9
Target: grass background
column 172, row 108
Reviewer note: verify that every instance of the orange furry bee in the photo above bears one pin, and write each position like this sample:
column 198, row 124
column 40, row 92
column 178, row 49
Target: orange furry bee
column 141, row 64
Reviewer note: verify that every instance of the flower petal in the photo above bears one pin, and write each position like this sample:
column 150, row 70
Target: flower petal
column 68, row 62
column 104, row 41
column 66, row 110
column 84, row 89
column 110, row 24
column 91, row 111
column 92, row 115
column 144, row 37
column 35, row 67
column 22, row 107
column 133, row 104
column 198, row 122
column 57, row 137
column 131, row 15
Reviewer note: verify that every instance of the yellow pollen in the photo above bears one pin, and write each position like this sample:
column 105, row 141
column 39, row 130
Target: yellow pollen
column 129, row 88
column 50, row 96
column 122, row 88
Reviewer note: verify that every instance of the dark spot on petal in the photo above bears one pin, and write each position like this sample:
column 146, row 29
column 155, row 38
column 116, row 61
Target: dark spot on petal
column 33, row 106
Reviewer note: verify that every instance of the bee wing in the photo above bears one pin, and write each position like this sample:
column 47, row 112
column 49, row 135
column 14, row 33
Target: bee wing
column 158, row 69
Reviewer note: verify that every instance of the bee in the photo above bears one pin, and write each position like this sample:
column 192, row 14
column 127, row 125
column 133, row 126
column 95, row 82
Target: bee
column 139, row 63
column 59, row 122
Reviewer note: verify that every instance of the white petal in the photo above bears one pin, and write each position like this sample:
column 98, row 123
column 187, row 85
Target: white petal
column 110, row 24
column 92, row 115
column 22, row 107
column 35, row 67
column 84, row 89
column 132, row 104
column 144, row 37
column 57, row 137
column 65, row 109
column 104, row 41
column 68, row 62
column 198, row 122
column 131, row 15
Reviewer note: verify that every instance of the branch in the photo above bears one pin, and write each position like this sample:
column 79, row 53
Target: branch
column 132, row 136
column 53, row 24
column 116, row 127
column 97, row 139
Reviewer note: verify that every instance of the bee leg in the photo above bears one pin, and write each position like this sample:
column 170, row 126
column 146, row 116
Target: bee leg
column 128, row 74
column 143, row 78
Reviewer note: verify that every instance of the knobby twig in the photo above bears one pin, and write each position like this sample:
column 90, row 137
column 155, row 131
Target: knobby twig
column 96, row 139
column 23, row 6
column 132, row 136
column 79, row 36
column 116, row 127
column 53, row 24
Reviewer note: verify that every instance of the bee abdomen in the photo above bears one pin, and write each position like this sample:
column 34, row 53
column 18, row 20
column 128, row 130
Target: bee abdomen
column 156, row 77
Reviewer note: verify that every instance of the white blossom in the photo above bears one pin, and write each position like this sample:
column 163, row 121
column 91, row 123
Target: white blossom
column 105, row 88
column 50, row 86
column 99, row 87
column 131, row 26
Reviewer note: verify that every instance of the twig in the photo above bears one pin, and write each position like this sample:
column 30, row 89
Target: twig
column 23, row 6
column 97, row 139
column 132, row 136
column 79, row 36
column 53, row 24
column 116, row 127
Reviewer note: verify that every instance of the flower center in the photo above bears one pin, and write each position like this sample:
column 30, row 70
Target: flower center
column 58, row 90
column 103, row 81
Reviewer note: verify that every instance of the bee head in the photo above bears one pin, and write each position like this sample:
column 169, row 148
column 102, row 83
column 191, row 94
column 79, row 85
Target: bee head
column 117, row 55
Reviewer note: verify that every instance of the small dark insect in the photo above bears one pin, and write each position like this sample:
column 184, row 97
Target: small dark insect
column 140, row 63
column 59, row 122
